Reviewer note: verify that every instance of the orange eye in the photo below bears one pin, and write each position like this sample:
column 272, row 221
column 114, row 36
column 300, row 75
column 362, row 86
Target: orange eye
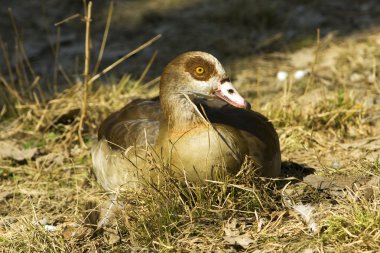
column 200, row 70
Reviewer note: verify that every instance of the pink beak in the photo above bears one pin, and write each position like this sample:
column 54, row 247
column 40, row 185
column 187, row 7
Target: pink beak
column 227, row 92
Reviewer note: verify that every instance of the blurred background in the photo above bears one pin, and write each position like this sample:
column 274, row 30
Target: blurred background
column 234, row 31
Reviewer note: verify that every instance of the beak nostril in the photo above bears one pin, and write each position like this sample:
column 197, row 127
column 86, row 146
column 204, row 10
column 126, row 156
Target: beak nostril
column 230, row 91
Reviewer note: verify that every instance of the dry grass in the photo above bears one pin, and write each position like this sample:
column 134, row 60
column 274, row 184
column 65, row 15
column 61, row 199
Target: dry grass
column 49, row 201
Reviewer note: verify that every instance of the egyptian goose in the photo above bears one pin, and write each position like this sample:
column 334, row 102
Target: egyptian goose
column 199, row 125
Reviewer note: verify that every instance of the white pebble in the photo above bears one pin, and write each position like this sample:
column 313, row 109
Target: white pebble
column 282, row 75
column 50, row 228
column 299, row 74
column 335, row 164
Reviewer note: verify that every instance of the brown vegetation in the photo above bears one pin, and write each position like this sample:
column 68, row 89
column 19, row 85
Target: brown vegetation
column 327, row 121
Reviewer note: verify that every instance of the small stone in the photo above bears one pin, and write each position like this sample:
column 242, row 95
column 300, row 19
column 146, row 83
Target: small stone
column 335, row 164
column 299, row 74
column 282, row 75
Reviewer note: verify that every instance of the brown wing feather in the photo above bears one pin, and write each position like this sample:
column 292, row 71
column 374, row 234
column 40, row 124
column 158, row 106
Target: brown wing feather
column 135, row 124
column 138, row 123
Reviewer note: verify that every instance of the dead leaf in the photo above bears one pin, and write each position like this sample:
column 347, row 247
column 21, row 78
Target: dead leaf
column 75, row 231
column 234, row 237
column 112, row 236
column 10, row 149
column 243, row 240
column 50, row 160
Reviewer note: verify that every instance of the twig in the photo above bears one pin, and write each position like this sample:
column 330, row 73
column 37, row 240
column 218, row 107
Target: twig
column 77, row 15
column 153, row 82
column 20, row 72
column 11, row 90
column 24, row 63
column 56, row 59
column 65, row 75
column 143, row 75
column 86, row 82
column 105, row 35
column 128, row 55
column 206, row 121
column 7, row 62
column 311, row 79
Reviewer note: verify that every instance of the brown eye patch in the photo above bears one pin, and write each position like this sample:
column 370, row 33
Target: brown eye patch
column 198, row 62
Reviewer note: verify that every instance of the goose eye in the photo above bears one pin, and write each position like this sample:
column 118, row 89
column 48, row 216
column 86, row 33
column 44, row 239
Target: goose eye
column 200, row 70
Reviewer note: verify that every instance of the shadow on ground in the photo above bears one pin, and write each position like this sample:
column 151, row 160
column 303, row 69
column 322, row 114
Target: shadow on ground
column 291, row 169
column 231, row 30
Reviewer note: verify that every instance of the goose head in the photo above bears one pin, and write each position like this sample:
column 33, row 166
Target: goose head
column 199, row 73
column 196, row 74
